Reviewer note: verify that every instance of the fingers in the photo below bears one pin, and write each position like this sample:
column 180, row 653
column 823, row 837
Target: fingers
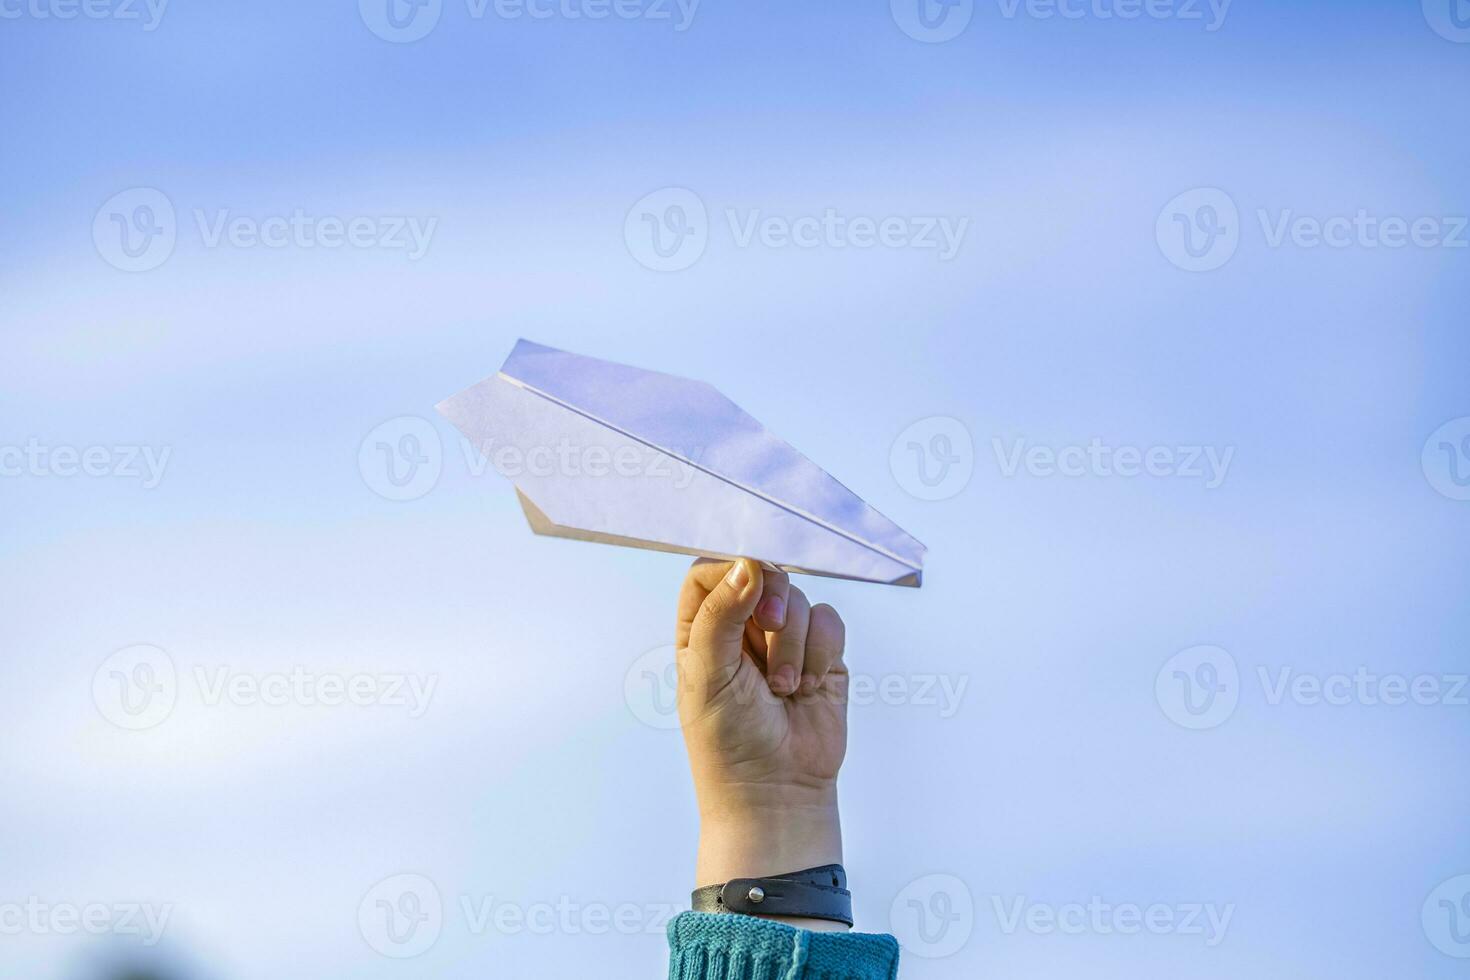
column 705, row 574
column 716, row 601
column 825, row 638
column 787, row 648
column 770, row 612
column 699, row 582
column 755, row 645
column 724, row 602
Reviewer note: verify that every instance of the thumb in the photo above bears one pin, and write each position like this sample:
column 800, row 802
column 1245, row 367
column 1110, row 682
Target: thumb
column 719, row 626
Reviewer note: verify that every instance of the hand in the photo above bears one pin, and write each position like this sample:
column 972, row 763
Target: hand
column 763, row 702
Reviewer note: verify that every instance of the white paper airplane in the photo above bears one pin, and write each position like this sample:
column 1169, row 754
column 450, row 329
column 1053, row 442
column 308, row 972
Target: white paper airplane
column 605, row 452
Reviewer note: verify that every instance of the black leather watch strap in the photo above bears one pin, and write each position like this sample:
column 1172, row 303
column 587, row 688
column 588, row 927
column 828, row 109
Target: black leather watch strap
column 816, row 893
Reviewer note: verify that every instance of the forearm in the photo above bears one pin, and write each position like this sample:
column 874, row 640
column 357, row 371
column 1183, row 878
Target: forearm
column 764, row 757
column 767, row 841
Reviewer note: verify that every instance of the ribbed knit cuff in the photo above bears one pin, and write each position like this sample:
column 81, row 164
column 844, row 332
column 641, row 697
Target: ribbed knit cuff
column 705, row 946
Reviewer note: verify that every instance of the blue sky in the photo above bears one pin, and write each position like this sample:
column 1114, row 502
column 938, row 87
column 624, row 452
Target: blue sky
column 540, row 772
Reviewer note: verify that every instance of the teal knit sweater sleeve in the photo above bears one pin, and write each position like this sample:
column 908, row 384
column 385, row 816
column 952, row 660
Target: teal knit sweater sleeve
column 703, row 946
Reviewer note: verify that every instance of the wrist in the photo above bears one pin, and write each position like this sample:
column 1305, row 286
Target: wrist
column 764, row 842
column 757, row 839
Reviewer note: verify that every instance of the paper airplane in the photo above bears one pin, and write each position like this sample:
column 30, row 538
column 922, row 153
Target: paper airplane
column 605, row 452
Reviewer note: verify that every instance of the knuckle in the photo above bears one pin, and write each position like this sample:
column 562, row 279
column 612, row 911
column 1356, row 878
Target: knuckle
column 785, row 653
column 710, row 615
column 714, row 614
